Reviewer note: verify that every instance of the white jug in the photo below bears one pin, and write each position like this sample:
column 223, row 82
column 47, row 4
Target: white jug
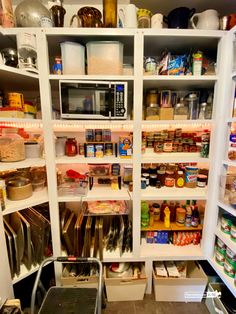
column 157, row 21
column 73, row 58
column 128, row 16
column 208, row 19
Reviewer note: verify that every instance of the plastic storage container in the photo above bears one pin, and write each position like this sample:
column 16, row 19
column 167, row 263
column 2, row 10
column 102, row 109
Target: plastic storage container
column 105, row 57
column 73, row 60
column 11, row 146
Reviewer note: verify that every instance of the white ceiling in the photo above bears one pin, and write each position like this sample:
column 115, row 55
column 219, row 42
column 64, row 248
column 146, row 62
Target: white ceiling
column 224, row 7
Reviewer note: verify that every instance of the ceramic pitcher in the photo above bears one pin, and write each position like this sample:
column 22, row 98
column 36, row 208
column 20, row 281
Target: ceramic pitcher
column 208, row 19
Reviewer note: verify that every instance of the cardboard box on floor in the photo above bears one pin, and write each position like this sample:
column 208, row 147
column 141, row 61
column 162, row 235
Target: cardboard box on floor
column 125, row 289
column 189, row 289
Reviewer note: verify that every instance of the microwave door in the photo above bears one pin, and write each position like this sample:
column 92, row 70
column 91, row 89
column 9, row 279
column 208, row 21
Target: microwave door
column 102, row 103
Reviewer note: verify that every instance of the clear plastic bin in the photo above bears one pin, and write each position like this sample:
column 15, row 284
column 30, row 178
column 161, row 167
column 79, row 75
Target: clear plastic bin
column 105, row 57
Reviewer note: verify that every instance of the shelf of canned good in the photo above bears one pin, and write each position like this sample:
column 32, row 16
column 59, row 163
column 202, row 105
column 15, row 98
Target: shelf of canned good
column 151, row 157
column 231, row 210
column 87, row 160
column 173, row 193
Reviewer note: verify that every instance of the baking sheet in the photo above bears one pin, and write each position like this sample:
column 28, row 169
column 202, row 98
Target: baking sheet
column 17, row 226
column 27, row 256
column 68, row 233
column 10, row 248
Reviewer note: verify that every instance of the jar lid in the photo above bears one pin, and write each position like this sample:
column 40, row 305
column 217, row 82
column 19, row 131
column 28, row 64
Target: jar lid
column 144, row 12
column 155, row 205
column 145, row 175
column 169, row 172
column 180, row 172
column 153, row 176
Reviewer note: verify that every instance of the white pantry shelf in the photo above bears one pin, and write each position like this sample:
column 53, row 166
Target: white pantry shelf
column 227, row 280
column 54, row 77
column 74, row 125
column 29, row 162
column 170, row 251
column 98, row 194
column 151, row 157
column 229, row 163
column 225, row 238
column 227, row 208
column 25, row 122
column 150, row 124
column 166, row 193
column 92, row 160
column 24, row 273
column 38, row 197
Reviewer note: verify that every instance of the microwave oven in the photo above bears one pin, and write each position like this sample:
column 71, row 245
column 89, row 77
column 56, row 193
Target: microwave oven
column 93, row 99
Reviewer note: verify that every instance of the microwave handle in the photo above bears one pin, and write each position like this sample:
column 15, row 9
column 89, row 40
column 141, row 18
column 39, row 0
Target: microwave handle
column 109, row 101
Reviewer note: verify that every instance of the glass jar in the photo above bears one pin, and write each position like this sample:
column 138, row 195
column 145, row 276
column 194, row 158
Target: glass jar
column 191, row 174
column 128, row 174
column 150, row 65
column 181, row 111
column 152, row 97
column 144, row 18
column 146, row 176
column 156, row 212
column 152, row 112
column 161, row 176
column 60, row 146
column 170, row 178
column 153, row 180
column 71, row 147
column 12, row 146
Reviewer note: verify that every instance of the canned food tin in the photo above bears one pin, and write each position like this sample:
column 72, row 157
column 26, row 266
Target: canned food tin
column 229, row 269
column 226, row 223
column 220, row 257
column 231, row 255
column 233, row 232
column 220, row 246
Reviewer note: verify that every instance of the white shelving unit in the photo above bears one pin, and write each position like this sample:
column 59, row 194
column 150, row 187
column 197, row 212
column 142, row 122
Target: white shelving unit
column 137, row 41
column 29, row 162
column 227, row 208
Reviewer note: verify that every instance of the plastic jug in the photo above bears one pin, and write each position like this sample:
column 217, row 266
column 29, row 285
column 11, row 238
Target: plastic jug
column 73, row 58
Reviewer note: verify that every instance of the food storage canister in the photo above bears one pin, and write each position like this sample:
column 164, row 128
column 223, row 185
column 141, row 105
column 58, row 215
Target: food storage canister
column 201, row 180
column 11, row 145
column 32, row 150
column 191, row 176
column 105, row 57
column 73, row 58
column 19, row 188
column 144, row 18
column 60, row 146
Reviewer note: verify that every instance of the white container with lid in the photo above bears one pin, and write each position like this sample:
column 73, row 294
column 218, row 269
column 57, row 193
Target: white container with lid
column 105, row 57
column 73, row 58
column 32, row 150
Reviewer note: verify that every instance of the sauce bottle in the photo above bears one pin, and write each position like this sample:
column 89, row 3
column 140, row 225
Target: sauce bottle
column 179, row 179
column 195, row 215
column 172, row 211
column 163, row 206
column 188, row 217
column 167, row 217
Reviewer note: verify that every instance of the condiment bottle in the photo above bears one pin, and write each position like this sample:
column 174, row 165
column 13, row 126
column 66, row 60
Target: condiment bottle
column 151, row 217
column 156, row 211
column 172, row 211
column 163, row 206
column 195, row 215
column 167, row 217
column 188, row 217
column 144, row 214
column 179, row 179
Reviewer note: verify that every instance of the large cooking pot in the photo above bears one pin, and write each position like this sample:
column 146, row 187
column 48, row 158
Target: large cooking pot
column 179, row 17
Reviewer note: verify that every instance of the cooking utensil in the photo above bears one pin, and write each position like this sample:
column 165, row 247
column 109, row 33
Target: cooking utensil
column 19, row 188
column 27, row 257
column 17, row 226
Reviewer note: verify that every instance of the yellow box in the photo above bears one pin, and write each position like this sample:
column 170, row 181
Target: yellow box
column 30, row 109
column 166, row 113
column 11, row 114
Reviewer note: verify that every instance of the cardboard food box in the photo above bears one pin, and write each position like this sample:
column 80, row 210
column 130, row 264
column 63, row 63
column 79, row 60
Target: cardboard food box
column 125, row 289
column 80, row 281
column 189, row 289
column 166, row 114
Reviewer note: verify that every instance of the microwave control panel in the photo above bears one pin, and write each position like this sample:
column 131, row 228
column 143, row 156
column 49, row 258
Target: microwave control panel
column 120, row 101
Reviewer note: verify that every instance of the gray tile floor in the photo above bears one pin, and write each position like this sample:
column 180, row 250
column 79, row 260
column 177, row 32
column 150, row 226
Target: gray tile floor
column 150, row 306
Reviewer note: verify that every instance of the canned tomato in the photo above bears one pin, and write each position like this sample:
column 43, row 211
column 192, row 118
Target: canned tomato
column 233, row 231
column 229, row 269
column 219, row 257
column 226, row 222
